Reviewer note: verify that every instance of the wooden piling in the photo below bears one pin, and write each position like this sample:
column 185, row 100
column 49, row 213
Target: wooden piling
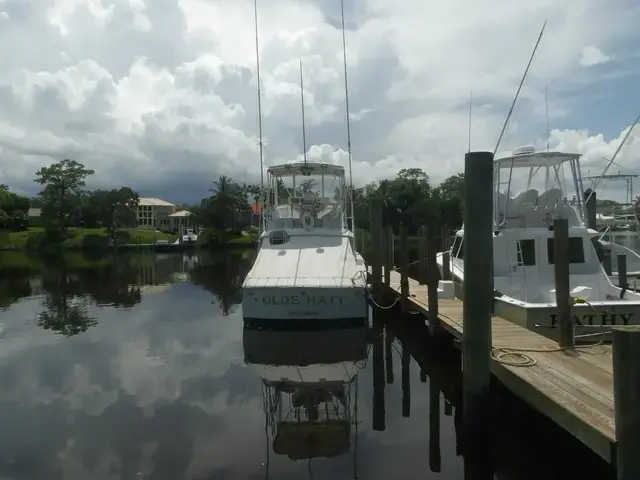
column 590, row 208
column 375, row 213
column 626, row 393
column 404, row 265
column 477, row 286
column 388, row 354
column 389, row 250
column 378, row 374
column 606, row 261
column 432, row 282
column 444, row 238
column 561, row 273
column 406, row 382
column 435, row 457
column 446, row 265
column 622, row 271
column 422, row 255
column 388, row 254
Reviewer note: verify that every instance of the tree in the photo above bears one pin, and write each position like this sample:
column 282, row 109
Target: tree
column 14, row 209
column 227, row 201
column 112, row 209
column 62, row 193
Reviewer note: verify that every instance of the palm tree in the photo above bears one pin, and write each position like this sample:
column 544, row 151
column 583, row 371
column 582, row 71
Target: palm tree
column 227, row 200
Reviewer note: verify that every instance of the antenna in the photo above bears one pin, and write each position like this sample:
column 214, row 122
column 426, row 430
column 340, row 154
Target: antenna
column 470, row 103
column 304, row 130
column 611, row 162
column 346, row 101
column 260, row 141
column 515, row 99
column 546, row 113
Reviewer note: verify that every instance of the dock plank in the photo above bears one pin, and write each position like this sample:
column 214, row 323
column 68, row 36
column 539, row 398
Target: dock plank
column 573, row 388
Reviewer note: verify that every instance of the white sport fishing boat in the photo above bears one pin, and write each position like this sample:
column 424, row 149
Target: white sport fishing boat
column 307, row 272
column 308, row 381
column 523, row 248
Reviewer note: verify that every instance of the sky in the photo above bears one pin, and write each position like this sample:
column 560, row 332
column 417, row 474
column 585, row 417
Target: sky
column 161, row 96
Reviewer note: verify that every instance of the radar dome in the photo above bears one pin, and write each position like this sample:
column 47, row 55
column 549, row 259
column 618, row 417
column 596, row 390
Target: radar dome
column 524, row 150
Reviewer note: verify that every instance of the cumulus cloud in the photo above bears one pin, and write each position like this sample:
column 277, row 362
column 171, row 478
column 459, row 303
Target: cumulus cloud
column 162, row 95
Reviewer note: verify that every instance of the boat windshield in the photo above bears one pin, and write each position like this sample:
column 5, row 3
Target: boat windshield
column 530, row 188
column 306, row 196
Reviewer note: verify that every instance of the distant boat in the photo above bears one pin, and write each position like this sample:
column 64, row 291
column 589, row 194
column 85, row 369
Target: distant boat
column 189, row 236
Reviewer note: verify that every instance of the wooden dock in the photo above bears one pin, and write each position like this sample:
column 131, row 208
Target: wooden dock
column 572, row 387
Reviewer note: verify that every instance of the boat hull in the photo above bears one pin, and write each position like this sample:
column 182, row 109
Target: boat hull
column 587, row 320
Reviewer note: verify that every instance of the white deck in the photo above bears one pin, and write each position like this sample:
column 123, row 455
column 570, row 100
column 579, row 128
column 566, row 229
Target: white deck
column 307, row 261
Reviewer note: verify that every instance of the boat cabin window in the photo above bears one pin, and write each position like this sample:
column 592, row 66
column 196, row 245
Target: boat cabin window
column 576, row 250
column 457, row 250
column 313, row 193
column 526, row 250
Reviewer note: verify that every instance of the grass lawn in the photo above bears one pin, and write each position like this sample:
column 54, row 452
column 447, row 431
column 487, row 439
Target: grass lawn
column 81, row 237
column 245, row 238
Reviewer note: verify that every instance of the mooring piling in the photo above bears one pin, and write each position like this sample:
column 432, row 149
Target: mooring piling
column 626, row 395
column 406, row 382
column 477, row 286
column 404, row 265
column 561, row 273
column 388, row 254
column 446, row 265
column 378, row 374
column 388, row 354
column 622, row 271
column 432, row 282
column 606, row 261
column 376, row 244
column 435, row 457
column 590, row 209
column 422, row 255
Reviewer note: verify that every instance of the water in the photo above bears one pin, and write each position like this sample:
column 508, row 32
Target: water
column 138, row 367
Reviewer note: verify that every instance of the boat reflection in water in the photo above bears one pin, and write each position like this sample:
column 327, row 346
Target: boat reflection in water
column 310, row 388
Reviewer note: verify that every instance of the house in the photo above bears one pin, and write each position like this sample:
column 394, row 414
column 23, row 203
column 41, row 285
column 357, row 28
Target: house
column 161, row 215
column 35, row 217
column 181, row 220
column 154, row 213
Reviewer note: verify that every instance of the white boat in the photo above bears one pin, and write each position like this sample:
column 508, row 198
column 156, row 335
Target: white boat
column 308, row 382
column 523, row 248
column 307, row 271
column 189, row 236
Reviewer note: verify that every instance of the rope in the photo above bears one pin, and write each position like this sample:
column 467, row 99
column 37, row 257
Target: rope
column 517, row 357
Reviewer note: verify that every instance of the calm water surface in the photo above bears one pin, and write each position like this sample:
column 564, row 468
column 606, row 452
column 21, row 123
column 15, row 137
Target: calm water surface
column 138, row 367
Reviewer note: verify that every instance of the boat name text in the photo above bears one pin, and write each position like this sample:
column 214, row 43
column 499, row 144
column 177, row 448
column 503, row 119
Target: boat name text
column 591, row 319
column 304, row 300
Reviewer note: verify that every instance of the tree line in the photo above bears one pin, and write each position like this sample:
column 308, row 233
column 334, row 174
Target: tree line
column 409, row 199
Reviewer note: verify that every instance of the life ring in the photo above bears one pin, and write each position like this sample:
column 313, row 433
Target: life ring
column 307, row 220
